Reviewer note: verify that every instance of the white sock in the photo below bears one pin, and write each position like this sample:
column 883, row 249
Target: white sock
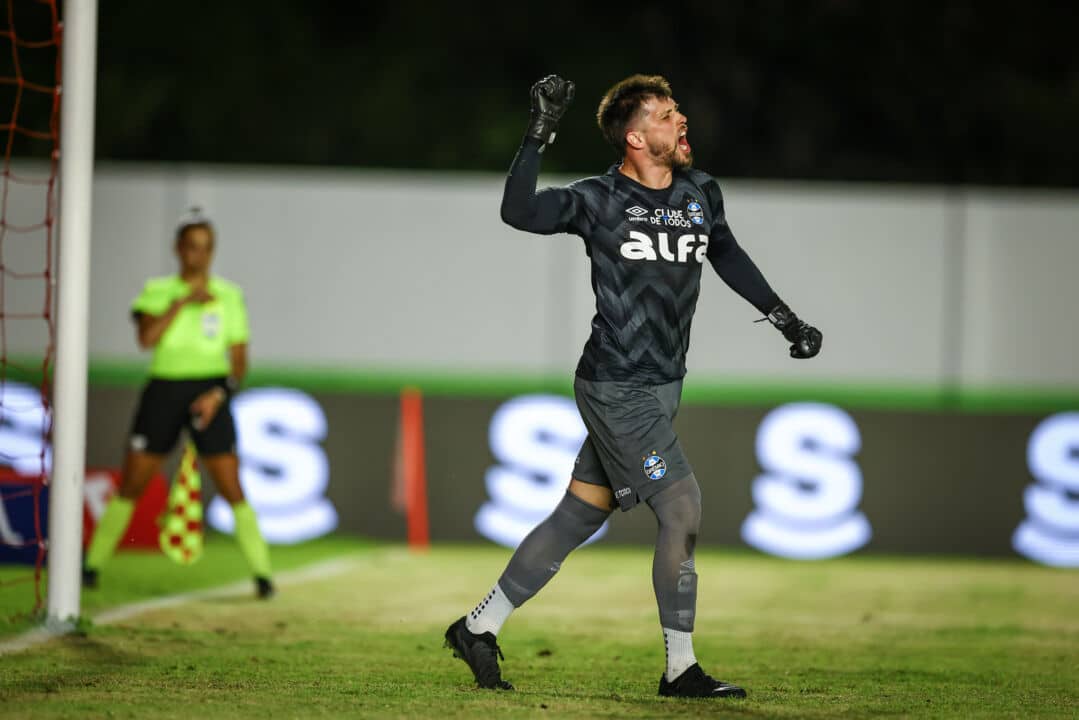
column 489, row 615
column 679, row 652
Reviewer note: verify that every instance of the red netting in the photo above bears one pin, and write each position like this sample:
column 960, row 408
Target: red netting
column 29, row 125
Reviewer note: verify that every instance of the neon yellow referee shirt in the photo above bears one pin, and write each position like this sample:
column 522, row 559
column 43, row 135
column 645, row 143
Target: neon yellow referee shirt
column 196, row 344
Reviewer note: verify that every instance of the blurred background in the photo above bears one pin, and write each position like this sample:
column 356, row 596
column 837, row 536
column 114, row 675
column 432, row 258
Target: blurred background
column 840, row 90
column 905, row 175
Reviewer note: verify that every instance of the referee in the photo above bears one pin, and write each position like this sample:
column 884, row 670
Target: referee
column 196, row 325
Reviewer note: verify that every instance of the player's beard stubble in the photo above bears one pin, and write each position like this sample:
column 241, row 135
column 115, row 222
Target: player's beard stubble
column 670, row 155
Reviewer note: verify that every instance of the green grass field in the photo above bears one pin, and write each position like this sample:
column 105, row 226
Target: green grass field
column 854, row 637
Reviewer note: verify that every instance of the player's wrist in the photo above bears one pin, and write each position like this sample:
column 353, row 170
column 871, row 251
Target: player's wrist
column 542, row 128
column 531, row 142
column 784, row 320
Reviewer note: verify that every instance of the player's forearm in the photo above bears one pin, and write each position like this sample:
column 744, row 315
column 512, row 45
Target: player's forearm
column 547, row 211
column 743, row 276
column 519, row 197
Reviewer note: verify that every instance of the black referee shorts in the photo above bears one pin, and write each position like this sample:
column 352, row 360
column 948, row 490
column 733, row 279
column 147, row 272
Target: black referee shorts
column 631, row 445
column 165, row 410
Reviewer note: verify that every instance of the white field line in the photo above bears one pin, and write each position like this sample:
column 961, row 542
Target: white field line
column 318, row 571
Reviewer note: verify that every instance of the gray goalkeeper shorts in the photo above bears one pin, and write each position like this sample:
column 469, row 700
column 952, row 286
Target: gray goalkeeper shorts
column 631, row 445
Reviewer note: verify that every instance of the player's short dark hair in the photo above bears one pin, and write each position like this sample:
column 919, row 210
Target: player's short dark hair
column 623, row 101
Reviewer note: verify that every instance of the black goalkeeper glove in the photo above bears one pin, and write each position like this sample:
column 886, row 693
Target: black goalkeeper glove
column 805, row 339
column 550, row 98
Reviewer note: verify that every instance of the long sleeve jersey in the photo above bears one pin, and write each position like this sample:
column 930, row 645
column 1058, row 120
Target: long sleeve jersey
column 646, row 248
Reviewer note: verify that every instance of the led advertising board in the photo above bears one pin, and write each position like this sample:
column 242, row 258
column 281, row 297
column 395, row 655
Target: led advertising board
column 801, row 480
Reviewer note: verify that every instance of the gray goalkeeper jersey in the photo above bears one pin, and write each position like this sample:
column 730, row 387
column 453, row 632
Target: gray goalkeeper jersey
column 646, row 248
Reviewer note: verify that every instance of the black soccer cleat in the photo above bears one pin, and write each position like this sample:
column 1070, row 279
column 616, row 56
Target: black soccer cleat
column 694, row 682
column 480, row 652
column 89, row 579
column 264, row 589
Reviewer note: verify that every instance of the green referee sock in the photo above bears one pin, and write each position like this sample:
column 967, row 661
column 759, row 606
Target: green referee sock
column 253, row 547
column 110, row 529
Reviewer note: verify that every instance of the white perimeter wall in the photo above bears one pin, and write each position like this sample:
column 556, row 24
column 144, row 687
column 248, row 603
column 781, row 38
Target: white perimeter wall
column 368, row 270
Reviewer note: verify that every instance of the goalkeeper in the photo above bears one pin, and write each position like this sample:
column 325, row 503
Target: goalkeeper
column 197, row 326
column 648, row 226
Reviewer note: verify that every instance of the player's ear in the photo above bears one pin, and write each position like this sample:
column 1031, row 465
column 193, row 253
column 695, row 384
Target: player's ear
column 634, row 139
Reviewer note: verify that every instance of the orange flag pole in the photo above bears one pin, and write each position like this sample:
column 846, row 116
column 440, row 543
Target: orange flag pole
column 413, row 466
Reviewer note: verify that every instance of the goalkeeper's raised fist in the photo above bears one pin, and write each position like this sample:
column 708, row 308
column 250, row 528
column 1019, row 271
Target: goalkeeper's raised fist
column 804, row 338
column 550, row 98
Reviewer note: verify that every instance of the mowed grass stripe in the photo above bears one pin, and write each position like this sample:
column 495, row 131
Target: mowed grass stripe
column 854, row 637
column 138, row 575
column 327, row 568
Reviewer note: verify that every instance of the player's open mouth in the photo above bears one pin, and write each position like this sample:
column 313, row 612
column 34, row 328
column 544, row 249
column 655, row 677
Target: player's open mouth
column 683, row 142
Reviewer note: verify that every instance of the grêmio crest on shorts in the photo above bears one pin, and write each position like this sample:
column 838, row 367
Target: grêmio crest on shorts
column 647, row 248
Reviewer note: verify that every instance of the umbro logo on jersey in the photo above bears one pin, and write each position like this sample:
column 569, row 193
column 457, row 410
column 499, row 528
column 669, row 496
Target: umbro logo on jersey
column 640, row 246
column 637, row 211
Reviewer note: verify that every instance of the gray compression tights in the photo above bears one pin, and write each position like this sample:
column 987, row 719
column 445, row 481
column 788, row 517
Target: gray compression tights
column 678, row 511
column 540, row 555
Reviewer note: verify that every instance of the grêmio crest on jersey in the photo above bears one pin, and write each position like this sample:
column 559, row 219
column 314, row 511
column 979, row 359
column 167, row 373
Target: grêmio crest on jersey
column 665, row 234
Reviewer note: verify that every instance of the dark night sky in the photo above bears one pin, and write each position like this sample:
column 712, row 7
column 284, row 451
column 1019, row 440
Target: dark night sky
column 947, row 92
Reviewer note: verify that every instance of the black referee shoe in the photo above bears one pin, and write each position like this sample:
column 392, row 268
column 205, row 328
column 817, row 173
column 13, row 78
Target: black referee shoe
column 481, row 652
column 264, row 589
column 694, row 682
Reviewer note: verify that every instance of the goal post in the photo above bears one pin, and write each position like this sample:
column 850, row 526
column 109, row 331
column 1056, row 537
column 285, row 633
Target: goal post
column 79, row 53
